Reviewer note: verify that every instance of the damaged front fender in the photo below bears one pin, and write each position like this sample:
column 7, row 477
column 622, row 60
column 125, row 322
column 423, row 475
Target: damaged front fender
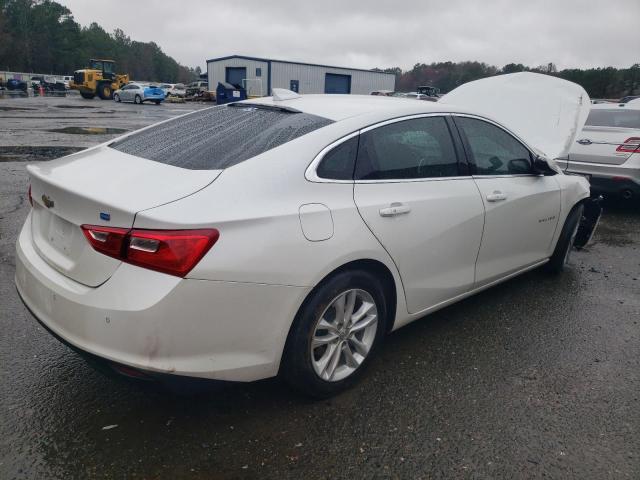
column 589, row 222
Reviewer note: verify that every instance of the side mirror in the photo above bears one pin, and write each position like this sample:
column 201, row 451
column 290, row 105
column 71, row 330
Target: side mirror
column 541, row 166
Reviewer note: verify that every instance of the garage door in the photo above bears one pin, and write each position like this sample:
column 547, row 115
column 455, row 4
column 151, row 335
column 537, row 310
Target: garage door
column 334, row 83
column 235, row 75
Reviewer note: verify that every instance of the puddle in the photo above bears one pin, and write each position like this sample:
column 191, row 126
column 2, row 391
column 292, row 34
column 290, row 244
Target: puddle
column 35, row 154
column 88, row 130
column 74, row 106
column 9, row 109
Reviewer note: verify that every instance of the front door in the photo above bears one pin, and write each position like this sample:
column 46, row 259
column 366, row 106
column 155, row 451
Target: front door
column 409, row 191
column 522, row 208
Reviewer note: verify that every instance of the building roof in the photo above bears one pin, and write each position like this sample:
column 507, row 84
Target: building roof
column 268, row 60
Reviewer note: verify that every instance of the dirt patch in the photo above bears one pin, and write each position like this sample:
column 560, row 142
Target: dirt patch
column 35, row 154
column 88, row 130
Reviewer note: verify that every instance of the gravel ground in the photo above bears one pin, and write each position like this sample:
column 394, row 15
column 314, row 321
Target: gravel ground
column 537, row 377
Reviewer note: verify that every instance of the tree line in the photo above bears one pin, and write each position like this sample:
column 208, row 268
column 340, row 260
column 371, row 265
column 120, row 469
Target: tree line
column 42, row 36
column 607, row 82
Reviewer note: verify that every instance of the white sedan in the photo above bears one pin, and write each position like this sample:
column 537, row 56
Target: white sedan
column 288, row 235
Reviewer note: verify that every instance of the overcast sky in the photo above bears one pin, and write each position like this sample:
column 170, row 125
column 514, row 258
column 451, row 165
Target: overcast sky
column 372, row 33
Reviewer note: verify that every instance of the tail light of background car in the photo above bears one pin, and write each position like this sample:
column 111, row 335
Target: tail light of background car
column 174, row 252
column 630, row 145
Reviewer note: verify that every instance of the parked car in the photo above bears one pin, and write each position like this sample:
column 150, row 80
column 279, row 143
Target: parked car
column 420, row 96
column 608, row 150
column 173, row 89
column 294, row 249
column 383, row 93
column 139, row 93
column 66, row 79
column 197, row 88
column 629, row 98
column 14, row 84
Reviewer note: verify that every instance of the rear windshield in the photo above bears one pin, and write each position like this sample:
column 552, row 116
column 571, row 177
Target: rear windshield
column 614, row 118
column 219, row 137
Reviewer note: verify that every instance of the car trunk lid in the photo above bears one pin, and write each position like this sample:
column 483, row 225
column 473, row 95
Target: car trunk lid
column 605, row 145
column 100, row 186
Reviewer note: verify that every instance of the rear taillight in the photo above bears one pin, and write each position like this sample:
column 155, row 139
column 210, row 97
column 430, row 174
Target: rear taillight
column 107, row 240
column 30, row 197
column 174, row 252
column 630, row 145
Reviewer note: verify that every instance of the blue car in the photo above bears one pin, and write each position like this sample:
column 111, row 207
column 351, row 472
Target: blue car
column 138, row 93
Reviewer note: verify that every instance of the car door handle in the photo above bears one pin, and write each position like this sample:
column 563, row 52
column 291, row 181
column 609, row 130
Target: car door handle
column 496, row 196
column 396, row 208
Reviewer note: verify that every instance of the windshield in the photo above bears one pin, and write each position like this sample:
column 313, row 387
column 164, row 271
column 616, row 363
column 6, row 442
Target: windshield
column 219, row 137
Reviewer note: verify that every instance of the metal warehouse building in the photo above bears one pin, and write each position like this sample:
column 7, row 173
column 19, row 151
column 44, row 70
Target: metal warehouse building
column 260, row 75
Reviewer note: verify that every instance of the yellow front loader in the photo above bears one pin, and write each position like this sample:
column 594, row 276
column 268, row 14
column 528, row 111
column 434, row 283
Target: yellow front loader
column 99, row 79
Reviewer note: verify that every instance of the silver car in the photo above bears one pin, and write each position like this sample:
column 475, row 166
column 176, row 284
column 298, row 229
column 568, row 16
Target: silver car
column 608, row 150
column 139, row 93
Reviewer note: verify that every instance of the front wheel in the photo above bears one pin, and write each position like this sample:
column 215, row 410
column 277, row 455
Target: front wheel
column 88, row 96
column 562, row 252
column 116, row 97
column 335, row 334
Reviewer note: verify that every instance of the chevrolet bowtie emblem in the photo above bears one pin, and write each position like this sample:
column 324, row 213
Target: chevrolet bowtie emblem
column 47, row 201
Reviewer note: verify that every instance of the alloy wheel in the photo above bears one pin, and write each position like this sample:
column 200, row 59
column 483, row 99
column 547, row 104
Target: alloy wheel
column 343, row 335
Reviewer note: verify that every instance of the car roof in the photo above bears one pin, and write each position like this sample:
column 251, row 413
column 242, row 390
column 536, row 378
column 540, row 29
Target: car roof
column 340, row 107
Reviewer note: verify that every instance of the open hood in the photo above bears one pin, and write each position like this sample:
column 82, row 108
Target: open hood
column 545, row 111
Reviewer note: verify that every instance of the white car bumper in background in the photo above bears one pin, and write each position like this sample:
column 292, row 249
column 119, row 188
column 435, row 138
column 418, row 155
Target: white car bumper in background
column 159, row 323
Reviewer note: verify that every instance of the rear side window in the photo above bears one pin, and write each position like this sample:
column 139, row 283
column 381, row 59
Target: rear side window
column 614, row 118
column 338, row 163
column 494, row 151
column 219, row 137
column 418, row 148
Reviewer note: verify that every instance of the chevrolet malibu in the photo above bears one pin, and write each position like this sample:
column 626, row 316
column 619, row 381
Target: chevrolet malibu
column 288, row 235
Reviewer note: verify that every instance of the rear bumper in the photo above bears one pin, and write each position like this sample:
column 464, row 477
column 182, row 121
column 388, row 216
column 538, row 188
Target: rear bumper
column 162, row 324
column 617, row 180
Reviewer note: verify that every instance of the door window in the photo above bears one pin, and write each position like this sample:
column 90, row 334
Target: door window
column 494, row 151
column 417, row 148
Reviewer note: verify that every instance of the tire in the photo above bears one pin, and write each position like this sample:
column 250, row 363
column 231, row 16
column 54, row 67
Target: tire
column 137, row 99
column 157, row 102
column 105, row 92
column 116, row 97
column 302, row 365
column 560, row 257
column 88, row 96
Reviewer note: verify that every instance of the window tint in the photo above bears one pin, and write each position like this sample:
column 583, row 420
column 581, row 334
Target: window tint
column 494, row 151
column 338, row 163
column 614, row 118
column 419, row 148
column 219, row 137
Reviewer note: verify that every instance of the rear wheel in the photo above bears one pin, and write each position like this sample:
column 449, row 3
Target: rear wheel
column 335, row 334
column 157, row 102
column 137, row 99
column 87, row 95
column 562, row 252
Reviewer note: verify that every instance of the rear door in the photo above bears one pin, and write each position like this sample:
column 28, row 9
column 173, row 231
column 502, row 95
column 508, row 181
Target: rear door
column 609, row 137
column 522, row 208
column 416, row 198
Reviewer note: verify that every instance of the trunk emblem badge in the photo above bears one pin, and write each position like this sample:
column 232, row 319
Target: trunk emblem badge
column 47, row 201
column 105, row 216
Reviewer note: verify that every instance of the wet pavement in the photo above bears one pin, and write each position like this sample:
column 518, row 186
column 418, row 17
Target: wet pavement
column 537, row 377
